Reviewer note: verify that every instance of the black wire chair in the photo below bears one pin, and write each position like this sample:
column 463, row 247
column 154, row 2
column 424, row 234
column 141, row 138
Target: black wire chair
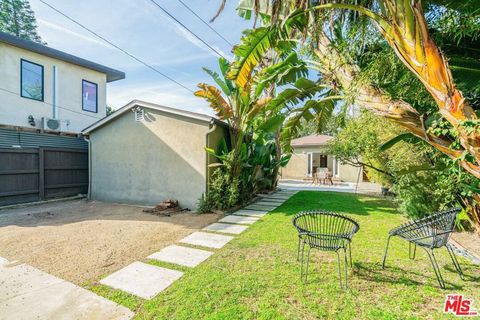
column 326, row 231
column 429, row 233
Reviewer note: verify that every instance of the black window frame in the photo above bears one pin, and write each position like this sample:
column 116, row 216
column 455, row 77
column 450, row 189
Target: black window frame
column 96, row 96
column 21, row 80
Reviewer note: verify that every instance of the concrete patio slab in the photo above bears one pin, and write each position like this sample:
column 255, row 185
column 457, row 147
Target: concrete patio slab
column 183, row 256
column 226, row 228
column 208, row 240
column 239, row 219
column 28, row 293
column 141, row 279
column 251, row 213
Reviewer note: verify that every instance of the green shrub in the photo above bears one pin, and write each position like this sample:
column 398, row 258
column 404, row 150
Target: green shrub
column 204, row 204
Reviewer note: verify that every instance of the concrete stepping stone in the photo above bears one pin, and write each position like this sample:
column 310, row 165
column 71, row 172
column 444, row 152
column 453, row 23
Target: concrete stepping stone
column 28, row 293
column 226, row 228
column 141, row 279
column 183, row 256
column 267, row 204
column 273, row 200
column 251, row 213
column 276, row 197
column 208, row 240
column 285, row 193
column 258, row 207
column 239, row 219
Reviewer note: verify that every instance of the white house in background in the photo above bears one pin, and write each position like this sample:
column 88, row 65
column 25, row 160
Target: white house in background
column 44, row 88
column 310, row 153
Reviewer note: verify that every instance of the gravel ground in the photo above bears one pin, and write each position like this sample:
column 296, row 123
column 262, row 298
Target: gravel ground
column 471, row 245
column 81, row 241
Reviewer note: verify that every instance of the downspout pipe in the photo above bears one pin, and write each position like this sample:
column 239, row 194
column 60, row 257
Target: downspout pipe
column 55, row 93
column 213, row 127
column 89, row 192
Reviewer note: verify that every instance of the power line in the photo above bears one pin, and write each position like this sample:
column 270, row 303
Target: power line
column 204, row 22
column 186, row 28
column 51, row 104
column 117, row 47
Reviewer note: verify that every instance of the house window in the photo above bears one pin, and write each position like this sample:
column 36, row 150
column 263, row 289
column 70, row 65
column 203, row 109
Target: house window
column 89, row 96
column 31, row 75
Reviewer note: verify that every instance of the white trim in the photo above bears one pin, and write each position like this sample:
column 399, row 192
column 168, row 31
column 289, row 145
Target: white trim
column 138, row 103
column 309, row 164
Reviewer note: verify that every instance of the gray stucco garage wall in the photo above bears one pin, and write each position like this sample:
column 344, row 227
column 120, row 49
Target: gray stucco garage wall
column 146, row 162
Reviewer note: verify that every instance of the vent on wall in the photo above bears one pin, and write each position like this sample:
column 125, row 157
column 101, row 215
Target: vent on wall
column 139, row 114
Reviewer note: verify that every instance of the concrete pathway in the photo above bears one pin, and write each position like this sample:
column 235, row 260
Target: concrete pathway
column 141, row 279
column 209, row 240
column 239, row 219
column 183, row 256
column 260, row 207
column 251, row 213
column 146, row 280
column 362, row 187
column 28, row 293
column 226, row 228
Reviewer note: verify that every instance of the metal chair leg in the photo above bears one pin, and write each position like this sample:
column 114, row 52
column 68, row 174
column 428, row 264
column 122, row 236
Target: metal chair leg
column 455, row 261
column 350, row 253
column 346, row 267
column 298, row 249
column 301, row 266
column 339, row 271
column 436, row 268
column 412, row 257
column 308, row 261
column 386, row 251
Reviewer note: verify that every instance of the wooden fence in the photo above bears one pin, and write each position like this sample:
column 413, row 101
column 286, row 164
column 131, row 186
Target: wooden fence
column 28, row 175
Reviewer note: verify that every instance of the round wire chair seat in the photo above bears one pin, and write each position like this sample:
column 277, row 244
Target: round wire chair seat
column 429, row 233
column 326, row 231
column 432, row 231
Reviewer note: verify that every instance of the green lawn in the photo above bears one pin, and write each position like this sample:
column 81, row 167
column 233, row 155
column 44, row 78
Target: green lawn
column 256, row 276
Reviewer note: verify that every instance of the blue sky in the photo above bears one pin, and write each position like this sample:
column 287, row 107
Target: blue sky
column 145, row 31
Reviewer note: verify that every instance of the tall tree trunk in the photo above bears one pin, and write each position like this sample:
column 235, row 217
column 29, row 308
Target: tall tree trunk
column 345, row 73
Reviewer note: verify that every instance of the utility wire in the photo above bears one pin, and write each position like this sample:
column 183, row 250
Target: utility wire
column 116, row 46
column 204, row 22
column 51, row 104
column 186, row 28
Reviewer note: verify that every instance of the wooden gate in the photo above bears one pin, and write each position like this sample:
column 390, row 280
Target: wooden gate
column 28, row 175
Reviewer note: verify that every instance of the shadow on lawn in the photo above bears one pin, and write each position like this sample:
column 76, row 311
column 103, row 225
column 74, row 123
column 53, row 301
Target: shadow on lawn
column 395, row 275
column 341, row 202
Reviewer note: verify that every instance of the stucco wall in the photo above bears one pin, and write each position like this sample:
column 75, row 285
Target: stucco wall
column 297, row 166
column 14, row 109
column 148, row 162
column 349, row 173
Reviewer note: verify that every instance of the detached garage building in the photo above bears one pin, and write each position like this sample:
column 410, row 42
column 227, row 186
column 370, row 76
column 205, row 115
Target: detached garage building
column 145, row 153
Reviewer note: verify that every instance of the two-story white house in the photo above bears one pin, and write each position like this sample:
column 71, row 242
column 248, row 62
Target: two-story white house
column 46, row 98
column 47, row 89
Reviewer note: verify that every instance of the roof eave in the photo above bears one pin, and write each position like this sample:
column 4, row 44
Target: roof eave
column 112, row 74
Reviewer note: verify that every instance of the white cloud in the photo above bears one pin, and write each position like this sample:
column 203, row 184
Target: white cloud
column 57, row 27
column 193, row 40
